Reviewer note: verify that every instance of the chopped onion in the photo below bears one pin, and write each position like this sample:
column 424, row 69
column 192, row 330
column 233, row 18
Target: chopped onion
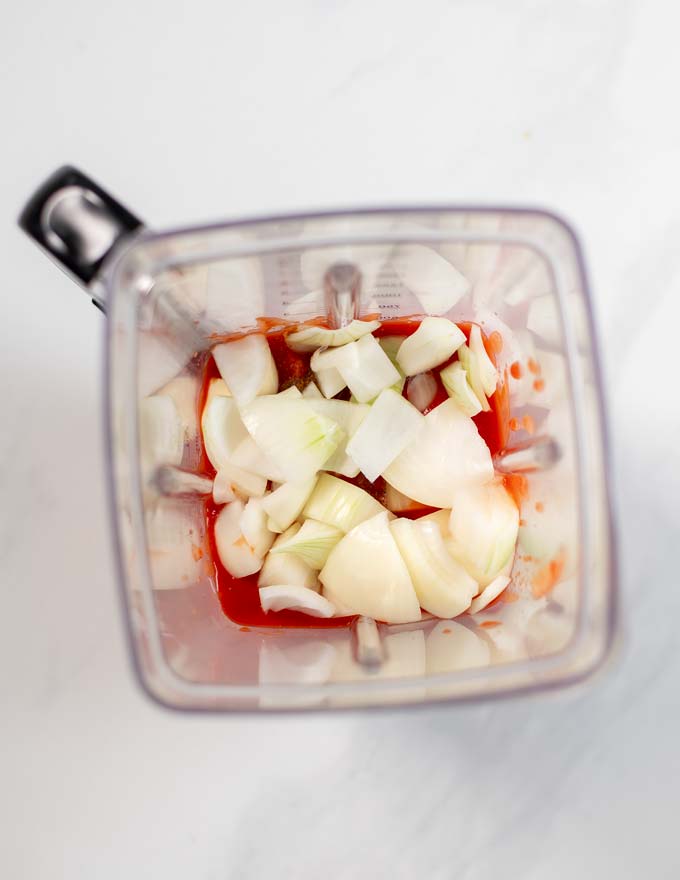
column 473, row 371
column 330, row 382
column 489, row 593
column 435, row 340
column 421, row 390
column 340, row 503
column 389, row 427
column 343, row 356
column 455, row 381
column 234, row 551
column 232, row 482
column 297, row 440
column 487, row 371
column 312, row 543
column 247, row 366
column 250, row 457
column 311, row 391
column 287, row 568
column 372, row 372
column 254, row 526
column 285, row 504
column 365, row 572
column 437, row 284
column 217, row 388
column 391, row 345
column 484, row 524
column 282, row 597
column 442, row 585
column 349, row 415
column 310, row 338
column 223, row 430
column 397, row 502
column 447, row 453
column 452, row 647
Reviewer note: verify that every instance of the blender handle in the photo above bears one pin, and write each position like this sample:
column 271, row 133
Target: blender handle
column 78, row 224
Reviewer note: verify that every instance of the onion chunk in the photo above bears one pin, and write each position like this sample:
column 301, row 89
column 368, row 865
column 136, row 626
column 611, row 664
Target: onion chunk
column 247, row 366
column 435, row 340
column 311, row 338
column 340, row 504
column 389, row 427
column 446, row 454
column 365, row 573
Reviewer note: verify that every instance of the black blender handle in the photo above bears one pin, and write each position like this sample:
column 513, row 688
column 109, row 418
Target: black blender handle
column 77, row 223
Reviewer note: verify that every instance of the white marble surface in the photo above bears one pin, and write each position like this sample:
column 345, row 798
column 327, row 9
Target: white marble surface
column 196, row 111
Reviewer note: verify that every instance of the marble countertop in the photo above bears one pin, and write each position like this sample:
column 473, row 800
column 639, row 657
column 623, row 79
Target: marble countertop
column 274, row 107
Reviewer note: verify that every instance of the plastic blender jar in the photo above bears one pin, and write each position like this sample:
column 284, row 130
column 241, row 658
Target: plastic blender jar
column 516, row 272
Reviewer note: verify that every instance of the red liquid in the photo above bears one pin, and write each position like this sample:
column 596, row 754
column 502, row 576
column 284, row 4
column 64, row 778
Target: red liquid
column 239, row 597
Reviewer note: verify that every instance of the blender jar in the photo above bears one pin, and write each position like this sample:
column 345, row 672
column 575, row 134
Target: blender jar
column 168, row 296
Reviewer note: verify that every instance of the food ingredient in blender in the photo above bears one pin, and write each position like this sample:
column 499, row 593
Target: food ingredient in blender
column 353, row 473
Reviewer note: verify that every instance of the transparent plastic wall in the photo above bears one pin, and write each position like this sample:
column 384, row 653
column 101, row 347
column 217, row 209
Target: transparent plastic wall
column 515, row 273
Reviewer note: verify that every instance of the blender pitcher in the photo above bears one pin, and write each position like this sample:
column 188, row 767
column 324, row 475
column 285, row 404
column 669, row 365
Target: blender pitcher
column 168, row 296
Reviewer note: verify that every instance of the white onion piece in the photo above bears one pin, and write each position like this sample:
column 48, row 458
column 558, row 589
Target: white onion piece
column 447, row 453
column 250, row 457
column 340, row 503
column 437, row 284
column 442, row 585
column 452, row 647
column 217, row 388
column 421, row 390
column 487, row 371
column 473, row 371
column 236, row 554
column 285, row 503
column 330, row 382
column 161, row 437
column 254, row 526
column 296, row 439
column 312, row 543
column 247, row 366
column 343, row 356
column 223, row 430
column 391, row 345
column 311, row 338
column 397, row 502
column 389, row 427
column 435, row 340
column 489, row 593
column 349, row 415
column 455, row 381
column 311, row 391
column 484, row 524
column 284, row 597
column 372, row 373
column 232, row 482
column 365, row 572
column 287, row 568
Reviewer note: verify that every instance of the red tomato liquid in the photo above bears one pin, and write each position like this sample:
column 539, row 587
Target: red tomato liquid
column 239, row 597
